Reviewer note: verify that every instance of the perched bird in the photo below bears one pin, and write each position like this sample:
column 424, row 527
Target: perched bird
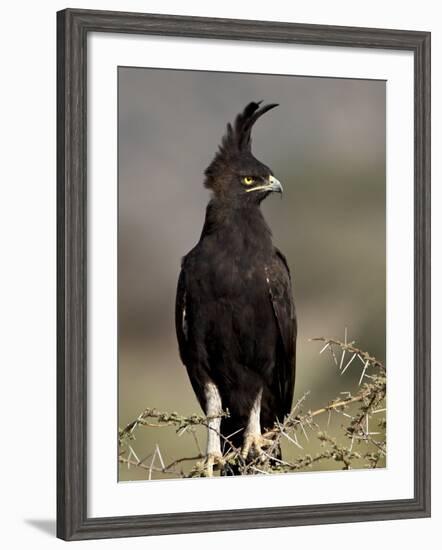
column 235, row 316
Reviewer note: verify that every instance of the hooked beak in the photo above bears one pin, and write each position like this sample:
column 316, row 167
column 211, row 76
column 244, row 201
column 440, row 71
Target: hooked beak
column 273, row 185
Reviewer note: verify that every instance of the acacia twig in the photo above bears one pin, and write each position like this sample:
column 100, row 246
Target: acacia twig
column 369, row 400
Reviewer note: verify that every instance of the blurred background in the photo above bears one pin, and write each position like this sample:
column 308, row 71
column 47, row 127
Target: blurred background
column 326, row 144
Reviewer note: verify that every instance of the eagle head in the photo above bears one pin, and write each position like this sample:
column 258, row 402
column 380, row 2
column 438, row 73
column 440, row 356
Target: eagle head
column 235, row 175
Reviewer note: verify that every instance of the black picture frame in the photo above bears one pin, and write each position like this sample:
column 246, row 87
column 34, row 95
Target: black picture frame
column 73, row 27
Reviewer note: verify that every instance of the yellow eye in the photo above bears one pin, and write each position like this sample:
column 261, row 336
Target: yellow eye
column 248, row 180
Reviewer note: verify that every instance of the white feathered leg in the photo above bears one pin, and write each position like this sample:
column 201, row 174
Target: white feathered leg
column 213, row 409
column 254, row 442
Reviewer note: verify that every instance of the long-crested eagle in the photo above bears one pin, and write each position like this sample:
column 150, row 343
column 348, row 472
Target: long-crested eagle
column 235, row 316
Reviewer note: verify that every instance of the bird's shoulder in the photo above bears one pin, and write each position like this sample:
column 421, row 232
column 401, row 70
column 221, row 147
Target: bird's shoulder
column 279, row 283
column 281, row 260
column 277, row 270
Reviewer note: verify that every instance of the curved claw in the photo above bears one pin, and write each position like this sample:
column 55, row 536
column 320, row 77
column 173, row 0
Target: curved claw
column 213, row 461
column 254, row 444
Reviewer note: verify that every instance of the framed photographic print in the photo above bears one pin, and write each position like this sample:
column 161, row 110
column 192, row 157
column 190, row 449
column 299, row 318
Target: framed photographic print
column 243, row 274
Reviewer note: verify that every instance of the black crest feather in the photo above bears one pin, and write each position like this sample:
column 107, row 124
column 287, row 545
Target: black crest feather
column 237, row 140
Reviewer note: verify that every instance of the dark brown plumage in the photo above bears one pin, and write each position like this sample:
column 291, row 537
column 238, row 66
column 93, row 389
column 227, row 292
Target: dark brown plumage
column 235, row 316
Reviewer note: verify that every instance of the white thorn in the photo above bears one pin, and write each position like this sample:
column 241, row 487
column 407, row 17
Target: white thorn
column 294, row 441
column 342, row 359
column 352, row 441
column 363, row 373
column 303, row 429
column 160, row 457
column 348, row 364
column 324, row 348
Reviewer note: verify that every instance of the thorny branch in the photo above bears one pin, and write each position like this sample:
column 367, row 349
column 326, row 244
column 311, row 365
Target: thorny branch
column 358, row 412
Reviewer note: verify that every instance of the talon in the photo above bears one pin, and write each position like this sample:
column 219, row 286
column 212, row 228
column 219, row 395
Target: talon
column 210, row 463
column 255, row 444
